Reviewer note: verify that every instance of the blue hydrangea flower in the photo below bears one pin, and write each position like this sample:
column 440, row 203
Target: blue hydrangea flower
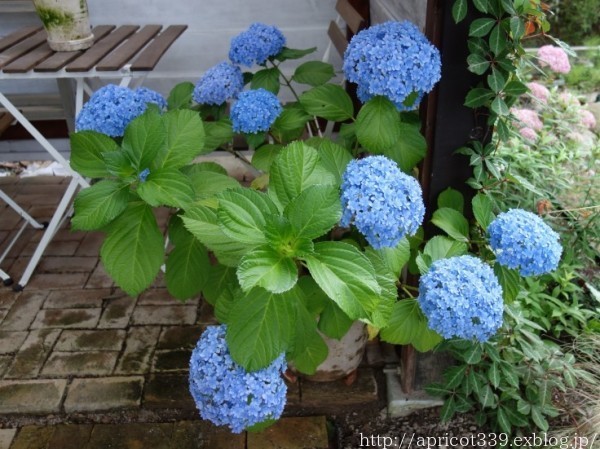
column 111, row 108
column 461, row 297
column 522, row 240
column 255, row 111
column 393, row 59
column 144, row 175
column 256, row 45
column 146, row 96
column 225, row 393
column 219, row 84
column 382, row 202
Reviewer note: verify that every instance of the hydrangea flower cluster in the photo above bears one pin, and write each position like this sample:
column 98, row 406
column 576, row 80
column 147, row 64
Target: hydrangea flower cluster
column 521, row 240
column 255, row 45
column 528, row 134
column 539, row 92
column 528, row 118
column 255, row 111
column 587, row 119
column 393, row 59
column 112, row 107
column 225, row 393
column 555, row 58
column 219, row 84
column 382, row 202
column 461, row 297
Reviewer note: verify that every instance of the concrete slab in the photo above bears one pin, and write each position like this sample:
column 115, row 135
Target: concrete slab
column 91, row 340
column 65, row 364
column 107, row 393
column 31, row 396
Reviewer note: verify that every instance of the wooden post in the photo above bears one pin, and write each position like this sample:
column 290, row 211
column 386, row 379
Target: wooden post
column 447, row 125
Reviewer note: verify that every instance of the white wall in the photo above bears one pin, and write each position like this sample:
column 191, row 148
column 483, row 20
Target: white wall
column 212, row 24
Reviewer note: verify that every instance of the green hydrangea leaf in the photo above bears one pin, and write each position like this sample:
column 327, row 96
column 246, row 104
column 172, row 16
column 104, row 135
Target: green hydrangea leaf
column 133, row 250
column 97, row 205
column 87, row 148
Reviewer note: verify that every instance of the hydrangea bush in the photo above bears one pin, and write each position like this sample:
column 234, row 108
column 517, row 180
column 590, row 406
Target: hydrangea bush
column 321, row 238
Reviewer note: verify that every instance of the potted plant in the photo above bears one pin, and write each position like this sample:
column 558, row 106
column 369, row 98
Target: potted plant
column 66, row 22
column 319, row 240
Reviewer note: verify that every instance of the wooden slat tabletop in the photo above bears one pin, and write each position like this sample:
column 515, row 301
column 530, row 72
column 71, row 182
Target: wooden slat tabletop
column 124, row 53
column 26, row 50
column 29, row 60
column 94, row 54
column 61, row 58
column 21, row 48
column 17, row 36
column 150, row 56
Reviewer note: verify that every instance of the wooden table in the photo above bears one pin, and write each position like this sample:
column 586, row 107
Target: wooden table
column 124, row 54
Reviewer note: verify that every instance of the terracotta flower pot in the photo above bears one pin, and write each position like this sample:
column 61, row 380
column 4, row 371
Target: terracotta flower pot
column 66, row 22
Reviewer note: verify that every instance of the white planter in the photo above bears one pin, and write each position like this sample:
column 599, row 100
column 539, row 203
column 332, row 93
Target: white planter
column 66, row 22
column 344, row 355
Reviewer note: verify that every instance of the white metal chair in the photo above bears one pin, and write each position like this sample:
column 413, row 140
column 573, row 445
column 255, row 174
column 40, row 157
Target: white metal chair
column 27, row 220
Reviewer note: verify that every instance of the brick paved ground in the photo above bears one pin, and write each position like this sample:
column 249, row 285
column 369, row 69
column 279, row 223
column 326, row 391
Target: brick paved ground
column 75, row 349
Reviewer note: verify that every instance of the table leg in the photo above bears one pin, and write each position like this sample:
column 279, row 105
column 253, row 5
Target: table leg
column 66, row 89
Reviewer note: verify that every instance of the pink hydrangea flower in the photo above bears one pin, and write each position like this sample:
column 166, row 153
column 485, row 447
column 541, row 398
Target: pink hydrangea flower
column 528, row 133
column 539, row 92
column 555, row 58
column 588, row 119
column 568, row 99
column 527, row 118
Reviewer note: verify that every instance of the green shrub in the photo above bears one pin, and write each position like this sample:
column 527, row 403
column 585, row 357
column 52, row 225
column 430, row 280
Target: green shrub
column 574, row 20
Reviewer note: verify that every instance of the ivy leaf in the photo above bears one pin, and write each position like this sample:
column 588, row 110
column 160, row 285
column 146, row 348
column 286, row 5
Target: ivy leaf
column 448, row 409
column 517, row 27
column 499, row 106
column 259, row 327
column 481, row 27
column 496, row 80
column 481, row 5
column 478, row 64
column 346, row 276
column 515, row 88
column 478, row 97
column 329, row 101
column 503, row 421
column 266, row 79
column 133, row 250
column 497, row 40
column 87, row 148
column 99, row 204
column 168, row 187
column 459, row 10
column 452, row 222
column 313, row 73
column 265, row 267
